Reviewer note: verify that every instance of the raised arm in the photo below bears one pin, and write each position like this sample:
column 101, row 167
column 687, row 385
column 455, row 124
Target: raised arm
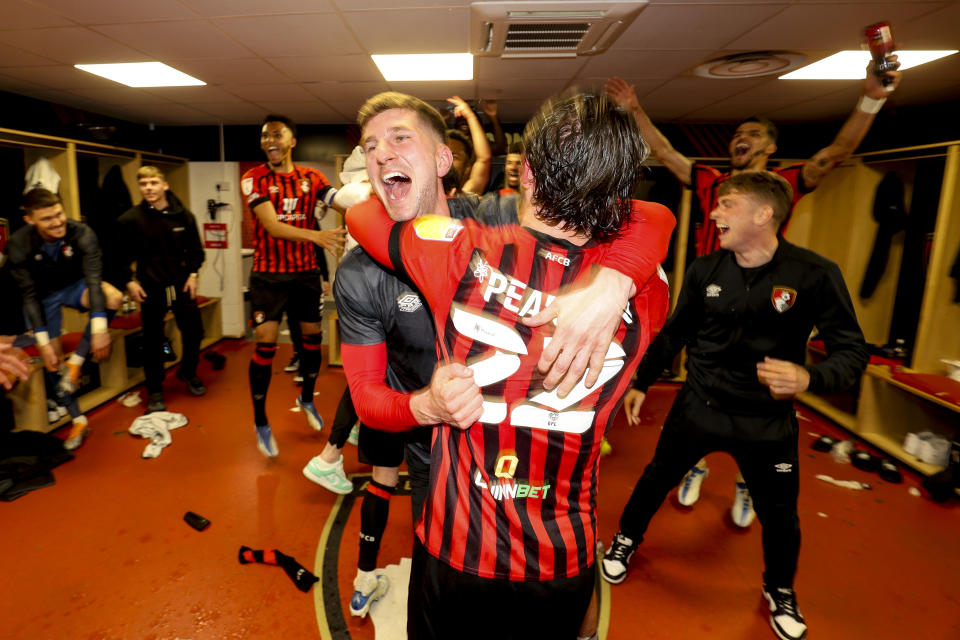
column 480, row 172
column 626, row 96
column 490, row 109
column 852, row 132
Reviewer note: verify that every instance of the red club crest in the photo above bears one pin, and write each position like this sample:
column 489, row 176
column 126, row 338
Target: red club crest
column 783, row 298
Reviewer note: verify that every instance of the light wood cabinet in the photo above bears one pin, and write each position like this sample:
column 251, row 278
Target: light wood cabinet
column 836, row 221
column 67, row 157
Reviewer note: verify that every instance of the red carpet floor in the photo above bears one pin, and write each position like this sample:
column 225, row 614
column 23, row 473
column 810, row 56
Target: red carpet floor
column 104, row 554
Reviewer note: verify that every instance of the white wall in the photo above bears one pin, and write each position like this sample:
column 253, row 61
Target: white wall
column 222, row 272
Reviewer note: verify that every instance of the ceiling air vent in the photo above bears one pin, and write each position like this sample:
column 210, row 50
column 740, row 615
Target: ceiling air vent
column 751, row 64
column 548, row 29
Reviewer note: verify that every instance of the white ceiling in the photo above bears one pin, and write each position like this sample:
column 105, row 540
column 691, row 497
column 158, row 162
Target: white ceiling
column 310, row 58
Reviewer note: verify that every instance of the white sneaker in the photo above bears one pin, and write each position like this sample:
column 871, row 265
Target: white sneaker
column 689, row 491
column 328, row 475
column 368, row 587
column 266, row 443
column 78, row 431
column 742, row 510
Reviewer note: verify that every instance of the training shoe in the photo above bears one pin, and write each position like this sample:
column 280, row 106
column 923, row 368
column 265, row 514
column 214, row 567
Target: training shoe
column 54, row 410
column 328, row 475
column 354, row 436
column 77, row 433
column 194, row 384
column 785, row 617
column 313, row 416
column 613, row 567
column 294, row 365
column 742, row 510
column 266, row 442
column 156, row 403
column 689, row 491
column 369, row 587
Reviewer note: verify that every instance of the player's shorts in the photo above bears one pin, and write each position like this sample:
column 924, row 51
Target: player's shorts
column 444, row 603
column 298, row 293
column 70, row 296
column 380, row 448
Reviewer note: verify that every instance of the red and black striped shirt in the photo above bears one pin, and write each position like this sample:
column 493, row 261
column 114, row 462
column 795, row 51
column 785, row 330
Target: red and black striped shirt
column 294, row 197
column 705, row 182
column 514, row 496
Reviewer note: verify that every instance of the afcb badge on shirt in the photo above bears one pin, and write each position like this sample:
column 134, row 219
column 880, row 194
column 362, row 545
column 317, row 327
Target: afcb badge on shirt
column 783, row 298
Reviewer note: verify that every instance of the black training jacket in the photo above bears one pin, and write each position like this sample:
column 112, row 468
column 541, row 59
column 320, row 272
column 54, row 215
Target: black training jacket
column 729, row 318
column 77, row 257
column 164, row 244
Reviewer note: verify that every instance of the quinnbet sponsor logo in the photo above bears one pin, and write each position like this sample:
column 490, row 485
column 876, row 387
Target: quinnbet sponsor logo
column 506, row 487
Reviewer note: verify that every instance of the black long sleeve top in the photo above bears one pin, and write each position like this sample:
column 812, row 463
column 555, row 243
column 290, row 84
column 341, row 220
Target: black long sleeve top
column 729, row 317
column 165, row 244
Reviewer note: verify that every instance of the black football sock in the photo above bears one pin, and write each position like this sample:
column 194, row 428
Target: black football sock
column 373, row 521
column 310, row 360
column 300, row 576
column 260, row 371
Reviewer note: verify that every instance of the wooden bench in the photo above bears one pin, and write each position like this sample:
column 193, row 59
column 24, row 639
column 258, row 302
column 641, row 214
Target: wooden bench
column 30, row 397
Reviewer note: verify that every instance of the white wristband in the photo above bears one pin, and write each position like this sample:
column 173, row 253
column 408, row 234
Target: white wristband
column 870, row 105
column 42, row 338
column 98, row 325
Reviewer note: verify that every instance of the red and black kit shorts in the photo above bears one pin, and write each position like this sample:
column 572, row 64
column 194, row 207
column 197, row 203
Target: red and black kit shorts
column 299, row 294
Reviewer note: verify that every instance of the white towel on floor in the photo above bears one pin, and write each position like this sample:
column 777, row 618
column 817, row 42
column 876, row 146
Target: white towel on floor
column 157, row 427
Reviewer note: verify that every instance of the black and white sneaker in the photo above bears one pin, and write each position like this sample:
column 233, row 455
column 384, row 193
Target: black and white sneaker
column 156, row 403
column 785, row 617
column 613, row 567
column 294, row 365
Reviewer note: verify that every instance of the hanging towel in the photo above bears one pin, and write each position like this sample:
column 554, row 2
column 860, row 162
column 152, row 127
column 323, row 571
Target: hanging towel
column 42, row 174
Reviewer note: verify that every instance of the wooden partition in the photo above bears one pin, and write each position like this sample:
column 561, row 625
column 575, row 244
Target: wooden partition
column 938, row 335
column 837, row 222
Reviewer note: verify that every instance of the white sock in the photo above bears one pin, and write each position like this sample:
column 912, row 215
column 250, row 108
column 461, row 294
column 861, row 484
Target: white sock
column 366, row 581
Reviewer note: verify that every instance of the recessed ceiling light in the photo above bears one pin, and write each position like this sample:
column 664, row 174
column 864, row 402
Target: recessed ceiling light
column 142, row 74
column 851, row 65
column 425, row 66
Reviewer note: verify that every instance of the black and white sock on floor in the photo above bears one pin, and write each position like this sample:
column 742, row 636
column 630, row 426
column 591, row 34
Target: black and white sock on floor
column 300, row 576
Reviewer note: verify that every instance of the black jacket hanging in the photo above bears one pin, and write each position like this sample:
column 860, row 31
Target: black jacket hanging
column 890, row 213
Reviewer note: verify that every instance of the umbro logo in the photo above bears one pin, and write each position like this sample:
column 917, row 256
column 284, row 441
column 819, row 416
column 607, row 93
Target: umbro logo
column 783, row 467
column 409, row 302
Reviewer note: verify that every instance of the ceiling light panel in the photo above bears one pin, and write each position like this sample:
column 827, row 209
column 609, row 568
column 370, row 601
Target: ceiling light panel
column 142, row 74
column 850, row 65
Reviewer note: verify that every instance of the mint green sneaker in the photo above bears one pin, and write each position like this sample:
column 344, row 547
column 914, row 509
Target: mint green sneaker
column 327, row 475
